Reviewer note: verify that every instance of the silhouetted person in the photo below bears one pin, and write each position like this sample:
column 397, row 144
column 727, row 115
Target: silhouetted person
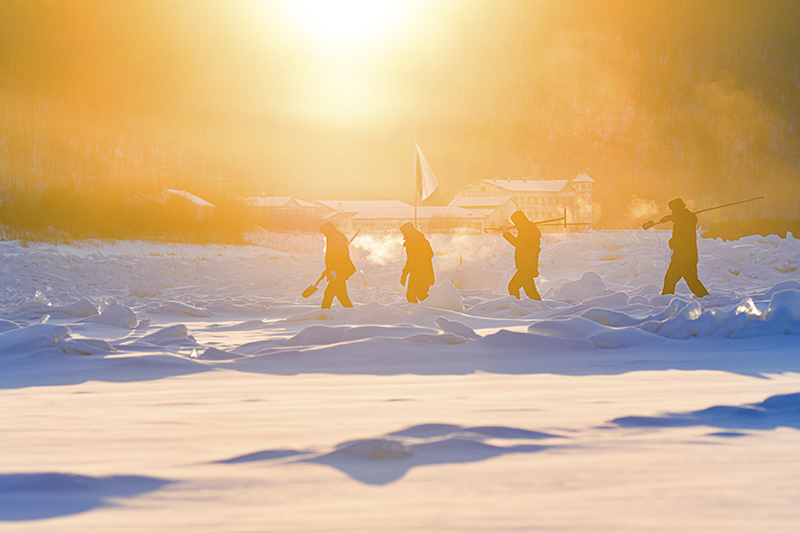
column 419, row 264
column 338, row 266
column 526, row 255
column 684, row 250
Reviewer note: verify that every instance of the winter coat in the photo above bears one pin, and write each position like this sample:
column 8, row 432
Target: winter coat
column 527, row 244
column 419, row 258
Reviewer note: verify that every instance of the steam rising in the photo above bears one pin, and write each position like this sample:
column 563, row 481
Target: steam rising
column 639, row 210
column 380, row 249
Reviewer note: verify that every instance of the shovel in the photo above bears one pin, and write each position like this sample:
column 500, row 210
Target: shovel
column 313, row 288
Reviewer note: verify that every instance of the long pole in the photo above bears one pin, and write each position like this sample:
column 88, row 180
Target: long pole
column 649, row 224
column 728, row 205
column 538, row 223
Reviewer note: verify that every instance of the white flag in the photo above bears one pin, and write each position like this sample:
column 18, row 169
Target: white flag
column 426, row 181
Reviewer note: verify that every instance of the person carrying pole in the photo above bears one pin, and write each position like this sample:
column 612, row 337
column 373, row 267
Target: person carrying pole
column 338, row 266
column 684, row 250
column 526, row 255
column 419, row 266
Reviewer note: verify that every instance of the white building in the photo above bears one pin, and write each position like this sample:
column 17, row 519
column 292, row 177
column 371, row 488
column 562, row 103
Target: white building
column 284, row 212
column 538, row 199
column 391, row 214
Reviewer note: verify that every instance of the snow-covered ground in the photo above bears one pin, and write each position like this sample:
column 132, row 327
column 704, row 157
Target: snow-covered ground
column 165, row 387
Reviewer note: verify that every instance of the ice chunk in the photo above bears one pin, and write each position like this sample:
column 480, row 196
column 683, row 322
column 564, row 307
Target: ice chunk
column 588, row 286
column 177, row 334
column 782, row 286
column 113, row 313
column 85, row 346
column 445, row 297
column 784, row 311
column 32, row 338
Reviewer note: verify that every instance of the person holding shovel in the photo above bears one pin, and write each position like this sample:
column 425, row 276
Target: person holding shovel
column 338, row 266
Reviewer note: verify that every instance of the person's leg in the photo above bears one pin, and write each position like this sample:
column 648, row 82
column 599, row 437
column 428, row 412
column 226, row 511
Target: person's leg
column 529, row 284
column 327, row 297
column 694, row 283
column 515, row 284
column 411, row 290
column 422, row 293
column 411, row 296
column 341, row 293
column 672, row 277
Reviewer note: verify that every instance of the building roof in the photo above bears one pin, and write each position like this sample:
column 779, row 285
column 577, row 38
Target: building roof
column 406, row 212
column 270, row 201
column 480, row 201
column 358, row 206
column 517, row 186
column 166, row 193
column 583, row 177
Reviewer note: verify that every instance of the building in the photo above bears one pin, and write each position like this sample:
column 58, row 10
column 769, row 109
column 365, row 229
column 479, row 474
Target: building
column 175, row 200
column 391, row 214
column 284, row 212
column 538, row 199
column 499, row 207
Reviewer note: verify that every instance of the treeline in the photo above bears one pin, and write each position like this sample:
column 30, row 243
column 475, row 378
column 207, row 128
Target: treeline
column 108, row 214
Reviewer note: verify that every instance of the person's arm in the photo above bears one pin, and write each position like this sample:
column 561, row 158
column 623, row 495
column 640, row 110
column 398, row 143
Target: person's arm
column 507, row 235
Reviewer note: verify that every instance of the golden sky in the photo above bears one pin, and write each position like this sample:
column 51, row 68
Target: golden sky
column 325, row 99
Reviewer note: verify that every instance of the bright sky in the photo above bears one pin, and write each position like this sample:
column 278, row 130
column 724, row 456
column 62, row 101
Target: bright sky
column 340, row 28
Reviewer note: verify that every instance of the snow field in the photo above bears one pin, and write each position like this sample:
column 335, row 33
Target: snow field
column 186, row 386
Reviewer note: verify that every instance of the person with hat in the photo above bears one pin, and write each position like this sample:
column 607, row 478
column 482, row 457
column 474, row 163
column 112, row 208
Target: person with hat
column 419, row 264
column 526, row 256
column 684, row 250
column 338, row 266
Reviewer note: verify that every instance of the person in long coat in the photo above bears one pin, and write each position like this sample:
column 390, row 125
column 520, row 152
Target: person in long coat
column 338, row 266
column 419, row 264
column 526, row 255
column 684, row 250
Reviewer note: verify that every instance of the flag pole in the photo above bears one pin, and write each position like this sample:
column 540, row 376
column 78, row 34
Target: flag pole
column 415, row 183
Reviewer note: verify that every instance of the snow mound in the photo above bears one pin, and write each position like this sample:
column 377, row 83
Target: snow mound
column 48, row 495
column 456, row 328
column 774, row 412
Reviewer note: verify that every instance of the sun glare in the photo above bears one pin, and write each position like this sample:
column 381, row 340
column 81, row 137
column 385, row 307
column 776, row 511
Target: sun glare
column 339, row 25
